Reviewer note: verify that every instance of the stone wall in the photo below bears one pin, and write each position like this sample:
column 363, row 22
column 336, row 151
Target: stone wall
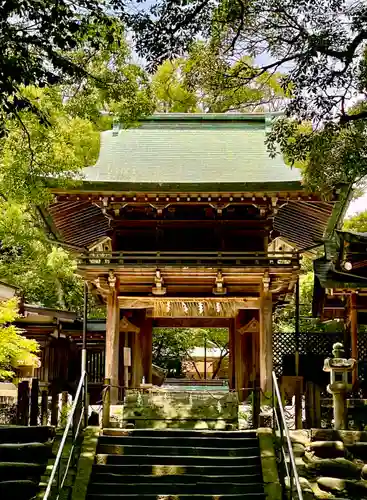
column 196, row 409
column 331, row 464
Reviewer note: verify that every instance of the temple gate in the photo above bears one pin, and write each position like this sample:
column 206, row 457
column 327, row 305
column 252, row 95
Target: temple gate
column 186, row 220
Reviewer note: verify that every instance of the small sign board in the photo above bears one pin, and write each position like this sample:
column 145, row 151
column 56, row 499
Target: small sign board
column 127, row 356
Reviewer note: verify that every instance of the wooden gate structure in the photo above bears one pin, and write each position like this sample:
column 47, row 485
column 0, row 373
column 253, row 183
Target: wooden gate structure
column 185, row 220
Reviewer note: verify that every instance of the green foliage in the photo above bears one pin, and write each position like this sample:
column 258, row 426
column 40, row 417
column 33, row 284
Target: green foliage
column 322, row 61
column 199, row 82
column 32, row 152
column 328, row 156
column 38, row 39
column 172, row 346
column 54, row 138
column 170, row 89
column 284, row 317
column 45, row 273
column 15, row 349
column 357, row 223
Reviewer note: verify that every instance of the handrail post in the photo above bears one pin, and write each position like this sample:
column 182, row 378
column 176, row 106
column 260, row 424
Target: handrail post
column 292, row 472
column 106, row 400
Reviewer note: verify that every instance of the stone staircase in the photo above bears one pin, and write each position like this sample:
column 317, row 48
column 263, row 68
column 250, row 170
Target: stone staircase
column 24, row 454
column 176, row 464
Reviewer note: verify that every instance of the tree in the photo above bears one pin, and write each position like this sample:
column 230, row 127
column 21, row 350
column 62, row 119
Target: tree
column 38, row 39
column 33, row 152
column 198, row 83
column 284, row 317
column 44, row 273
column 67, row 140
column 357, row 223
column 172, row 347
column 15, row 349
column 319, row 47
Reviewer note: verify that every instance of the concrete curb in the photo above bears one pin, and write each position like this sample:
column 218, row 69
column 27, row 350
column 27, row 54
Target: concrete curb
column 85, row 463
column 272, row 486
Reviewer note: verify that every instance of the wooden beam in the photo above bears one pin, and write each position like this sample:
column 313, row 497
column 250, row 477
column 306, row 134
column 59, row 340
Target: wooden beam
column 191, row 322
column 266, row 340
column 112, row 342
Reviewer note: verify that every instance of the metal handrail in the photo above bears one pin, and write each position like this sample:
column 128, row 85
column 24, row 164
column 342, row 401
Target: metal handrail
column 79, row 396
column 290, row 468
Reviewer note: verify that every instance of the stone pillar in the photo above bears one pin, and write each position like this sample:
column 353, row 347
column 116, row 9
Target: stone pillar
column 266, row 337
column 340, row 408
column 112, row 340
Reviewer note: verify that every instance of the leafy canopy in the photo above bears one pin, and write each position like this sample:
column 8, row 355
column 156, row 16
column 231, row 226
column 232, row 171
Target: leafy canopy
column 317, row 47
column 38, row 39
column 172, row 347
column 198, row 83
column 357, row 223
column 15, row 349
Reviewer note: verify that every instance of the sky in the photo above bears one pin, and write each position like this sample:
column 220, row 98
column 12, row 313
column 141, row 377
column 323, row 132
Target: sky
column 359, row 205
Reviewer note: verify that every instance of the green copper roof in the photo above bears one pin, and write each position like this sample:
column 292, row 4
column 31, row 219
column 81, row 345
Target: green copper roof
column 191, row 149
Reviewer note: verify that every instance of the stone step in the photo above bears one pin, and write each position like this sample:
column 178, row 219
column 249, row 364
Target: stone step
column 181, row 441
column 25, row 434
column 179, row 433
column 160, row 470
column 20, row 470
column 103, row 477
column 18, row 489
column 24, row 452
column 174, row 488
column 120, row 449
column 134, row 459
column 199, row 496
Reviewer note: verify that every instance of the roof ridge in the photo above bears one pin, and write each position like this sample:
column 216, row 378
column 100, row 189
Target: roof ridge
column 262, row 117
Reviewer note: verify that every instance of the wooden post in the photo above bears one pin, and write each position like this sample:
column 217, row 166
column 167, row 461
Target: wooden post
column 34, row 402
column 64, row 406
column 23, row 403
column 317, row 406
column 127, row 362
column 112, row 340
column 54, row 408
column 44, row 408
column 238, row 358
column 266, row 339
column 231, row 363
column 354, row 333
column 148, row 327
column 106, row 404
column 298, row 403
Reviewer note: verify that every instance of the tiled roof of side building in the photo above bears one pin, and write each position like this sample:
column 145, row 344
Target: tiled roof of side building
column 191, row 148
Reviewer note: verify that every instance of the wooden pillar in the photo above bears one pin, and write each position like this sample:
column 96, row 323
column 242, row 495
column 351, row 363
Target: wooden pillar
column 136, row 365
column 353, row 333
column 266, row 339
column 112, row 341
column 231, row 363
column 127, row 362
column 146, row 334
column 64, row 408
column 238, row 361
column 54, row 408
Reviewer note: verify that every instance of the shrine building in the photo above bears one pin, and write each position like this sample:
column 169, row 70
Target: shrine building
column 185, row 220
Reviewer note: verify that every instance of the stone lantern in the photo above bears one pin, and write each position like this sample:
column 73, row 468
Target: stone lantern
column 339, row 367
